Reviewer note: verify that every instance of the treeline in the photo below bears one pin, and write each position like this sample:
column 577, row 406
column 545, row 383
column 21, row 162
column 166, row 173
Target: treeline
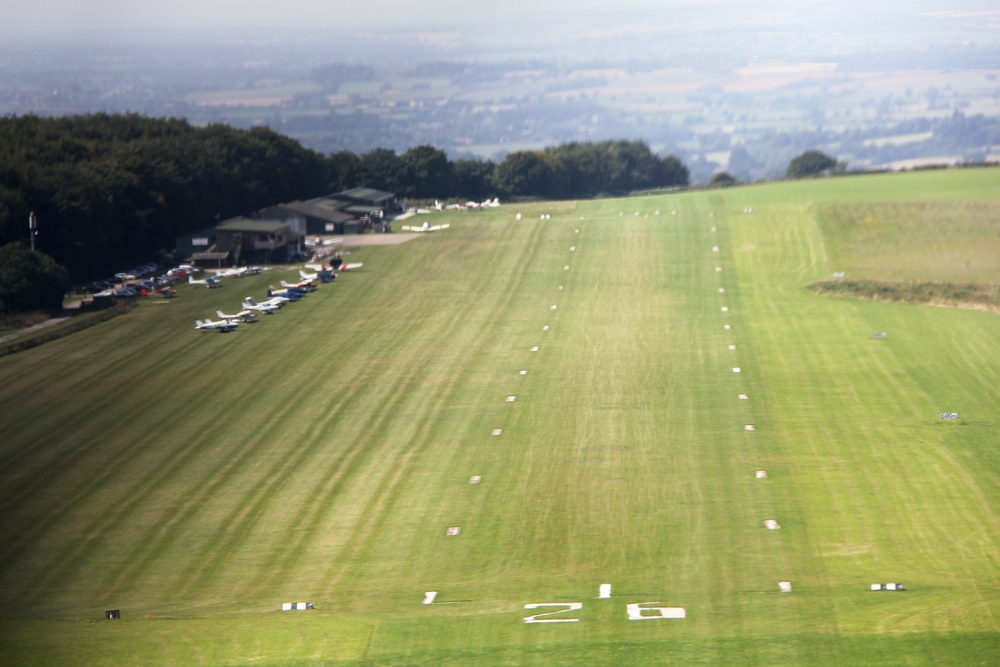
column 110, row 190
column 573, row 170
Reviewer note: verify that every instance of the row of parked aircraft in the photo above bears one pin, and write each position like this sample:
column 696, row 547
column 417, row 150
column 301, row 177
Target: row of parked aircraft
column 276, row 298
column 468, row 205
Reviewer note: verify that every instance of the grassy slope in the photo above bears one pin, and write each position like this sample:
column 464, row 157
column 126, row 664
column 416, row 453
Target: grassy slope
column 321, row 454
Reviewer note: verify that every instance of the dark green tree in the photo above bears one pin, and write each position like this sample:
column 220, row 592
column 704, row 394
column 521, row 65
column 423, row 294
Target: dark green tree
column 524, row 173
column 810, row 163
column 473, row 178
column 425, row 172
column 344, row 171
column 380, row 169
column 30, row 280
column 722, row 180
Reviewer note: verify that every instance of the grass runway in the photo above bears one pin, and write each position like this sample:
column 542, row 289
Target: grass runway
column 197, row 481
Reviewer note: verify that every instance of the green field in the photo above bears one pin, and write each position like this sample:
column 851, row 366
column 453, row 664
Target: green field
column 197, row 481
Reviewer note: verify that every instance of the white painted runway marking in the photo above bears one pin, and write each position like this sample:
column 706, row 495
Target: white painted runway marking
column 537, row 618
column 715, row 248
column 545, row 328
column 553, row 308
column 534, row 349
column 635, row 612
column 718, row 269
column 560, row 287
column 510, row 399
column 732, row 347
column 566, row 268
column 748, row 427
column 725, row 309
column 785, row 586
column 713, row 229
column 497, row 431
column 721, row 290
column 604, row 591
column 429, row 597
column 744, row 397
column 772, row 524
column 726, row 327
column 475, row 479
column 572, row 248
column 522, row 372
column 761, row 474
column 453, row 530
column 736, row 370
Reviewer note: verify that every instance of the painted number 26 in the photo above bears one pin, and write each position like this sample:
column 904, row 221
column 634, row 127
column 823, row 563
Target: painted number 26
column 636, row 612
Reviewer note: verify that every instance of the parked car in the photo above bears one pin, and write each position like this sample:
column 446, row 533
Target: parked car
column 127, row 292
column 177, row 273
column 147, row 284
column 101, row 285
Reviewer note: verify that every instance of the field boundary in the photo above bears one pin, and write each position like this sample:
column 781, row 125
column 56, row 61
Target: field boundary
column 969, row 296
column 119, row 308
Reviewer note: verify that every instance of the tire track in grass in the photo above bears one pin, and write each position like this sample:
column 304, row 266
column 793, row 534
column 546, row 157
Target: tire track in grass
column 254, row 501
column 290, row 549
column 364, row 538
column 146, row 488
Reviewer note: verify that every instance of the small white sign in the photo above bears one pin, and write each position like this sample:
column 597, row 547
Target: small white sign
column 545, row 328
column 199, row 240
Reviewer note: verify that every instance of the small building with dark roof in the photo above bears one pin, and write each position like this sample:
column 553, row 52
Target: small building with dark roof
column 321, row 216
column 256, row 240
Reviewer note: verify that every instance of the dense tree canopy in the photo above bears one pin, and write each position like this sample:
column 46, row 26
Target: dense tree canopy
column 30, row 280
column 111, row 190
column 810, row 163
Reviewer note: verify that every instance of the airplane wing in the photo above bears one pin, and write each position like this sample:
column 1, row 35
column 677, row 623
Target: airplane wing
column 347, row 267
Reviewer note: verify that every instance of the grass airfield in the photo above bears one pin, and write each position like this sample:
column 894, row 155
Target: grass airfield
column 197, row 481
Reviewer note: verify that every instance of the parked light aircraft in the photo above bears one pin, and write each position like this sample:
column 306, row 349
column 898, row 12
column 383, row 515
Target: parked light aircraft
column 306, row 285
column 242, row 316
column 426, row 227
column 232, row 273
column 207, row 282
column 267, row 307
column 221, row 327
column 292, row 293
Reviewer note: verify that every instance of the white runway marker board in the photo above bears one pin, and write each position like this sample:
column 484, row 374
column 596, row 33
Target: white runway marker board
column 497, row 431
column 475, row 479
column 560, row 287
column 517, row 217
column 725, row 309
column 453, row 530
column 838, row 274
column 553, row 307
column 949, row 415
column 718, row 269
column 577, row 231
column 715, row 248
column 737, row 369
column 771, row 524
column 522, row 372
column 880, row 334
column 726, row 327
column 604, row 591
column 545, row 328
column 732, row 347
column 760, row 474
column 744, row 397
column 429, row 597
column 534, row 349
column 510, row 399
column 636, row 612
column 572, row 248
column 542, row 618
column 749, row 427
column 566, row 268
column 721, row 290
column 785, row 586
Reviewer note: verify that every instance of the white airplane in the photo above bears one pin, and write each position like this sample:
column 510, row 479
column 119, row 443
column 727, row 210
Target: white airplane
column 189, row 268
column 307, row 285
column 207, row 282
column 221, row 327
column 309, row 276
column 242, row 316
column 232, row 273
column 426, row 227
column 438, row 206
column 267, row 307
column 358, row 265
column 491, row 204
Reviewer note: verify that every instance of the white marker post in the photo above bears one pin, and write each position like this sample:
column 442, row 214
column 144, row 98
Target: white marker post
column 604, row 591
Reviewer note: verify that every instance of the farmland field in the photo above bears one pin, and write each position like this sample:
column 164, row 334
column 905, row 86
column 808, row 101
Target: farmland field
column 197, row 481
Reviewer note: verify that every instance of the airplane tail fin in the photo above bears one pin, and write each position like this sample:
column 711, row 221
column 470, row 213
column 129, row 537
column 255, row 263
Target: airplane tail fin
column 250, row 300
column 190, row 280
column 197, row 323
column 219, row 313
